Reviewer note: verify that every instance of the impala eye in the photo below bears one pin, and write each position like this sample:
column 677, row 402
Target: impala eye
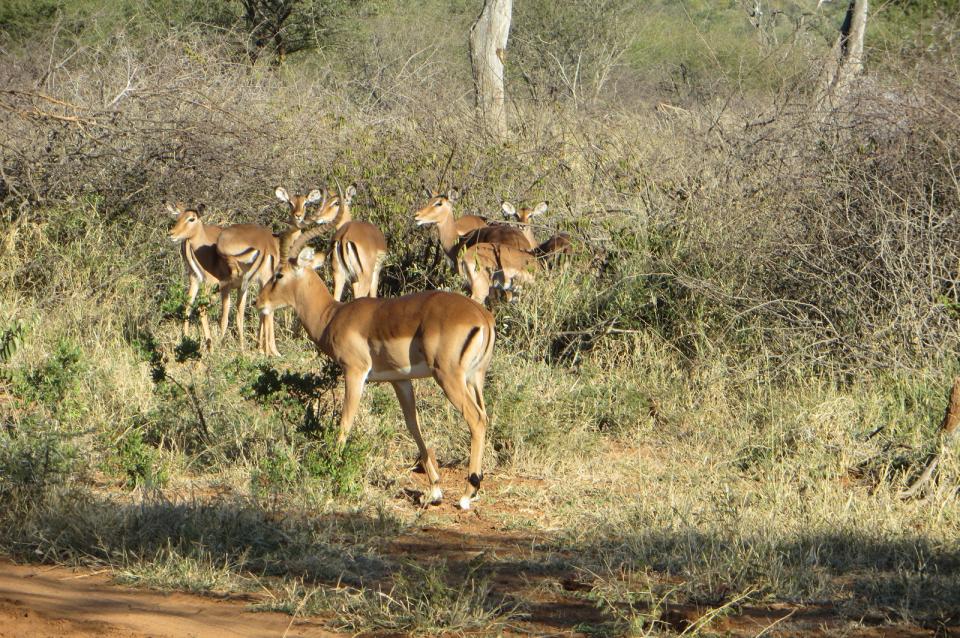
column 439, row 203
column 278, row 276
column 191, row 219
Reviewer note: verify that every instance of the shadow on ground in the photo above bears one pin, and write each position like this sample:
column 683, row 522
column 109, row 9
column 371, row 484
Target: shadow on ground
column 879, row 584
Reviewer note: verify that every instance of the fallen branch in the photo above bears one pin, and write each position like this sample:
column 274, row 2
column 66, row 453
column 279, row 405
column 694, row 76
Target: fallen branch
column 945, row 435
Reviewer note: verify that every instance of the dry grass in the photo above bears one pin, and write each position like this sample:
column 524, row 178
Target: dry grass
column 705, row 416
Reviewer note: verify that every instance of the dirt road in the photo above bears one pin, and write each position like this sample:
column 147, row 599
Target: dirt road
column 41, row 602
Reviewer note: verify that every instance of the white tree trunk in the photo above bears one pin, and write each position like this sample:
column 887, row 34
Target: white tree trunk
column 846, row 61
column 488, row 43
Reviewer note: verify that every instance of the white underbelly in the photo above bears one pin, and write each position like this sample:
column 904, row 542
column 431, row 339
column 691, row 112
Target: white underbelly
column 417, row 371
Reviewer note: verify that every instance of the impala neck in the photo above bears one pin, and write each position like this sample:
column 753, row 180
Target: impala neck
column 343, row 216
column 205, row 237
column 314, row 305
column 527, row 230
column 448, row 233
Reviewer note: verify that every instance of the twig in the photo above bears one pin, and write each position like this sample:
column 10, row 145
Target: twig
column 945, row 434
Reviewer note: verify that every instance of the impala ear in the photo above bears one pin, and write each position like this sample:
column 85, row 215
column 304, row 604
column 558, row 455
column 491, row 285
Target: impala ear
column 282, row 194
column 508, row 209
column 453, row 195
column 305, row 258
column 350, row 193
column 170, row 208
column 200, row 208
column 314, row 196
column 540, row 208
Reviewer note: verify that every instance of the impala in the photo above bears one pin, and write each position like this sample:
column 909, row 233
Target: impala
column 439, row 211
column 358, row 249
column 198, row 248
column 558, row 244
column 485, row 266
column 439, row 334
column 523, row 216
column 251, row 253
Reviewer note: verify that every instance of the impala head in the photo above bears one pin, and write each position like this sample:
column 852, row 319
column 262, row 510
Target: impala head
column 187, row 223
column 439, row 206
column 525, row 213
column 299, row 203
column 280, row 291
column 332, row 207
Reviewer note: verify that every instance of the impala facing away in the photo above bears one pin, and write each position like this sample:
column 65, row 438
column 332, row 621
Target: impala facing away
column 439, row 211
column 198, row 248
column 358, row 250
column 251, row 252
column 439, row 334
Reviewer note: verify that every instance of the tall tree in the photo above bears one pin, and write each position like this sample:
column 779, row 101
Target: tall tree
column 846, row 60
column 488, row 44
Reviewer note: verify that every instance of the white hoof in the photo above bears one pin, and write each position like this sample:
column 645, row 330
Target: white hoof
column 465, row 502
column 436, row 495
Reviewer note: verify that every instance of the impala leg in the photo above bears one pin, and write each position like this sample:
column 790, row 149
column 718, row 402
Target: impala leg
column 375, row 279
column 467, row 397
column 339, row 281
column 263, row 334
column 204, row 324
column 354, row 380
column 225, row 303
column 357, row 288
column 272, row 343
column 241, row 312
column 408, row 404
column 191, row 296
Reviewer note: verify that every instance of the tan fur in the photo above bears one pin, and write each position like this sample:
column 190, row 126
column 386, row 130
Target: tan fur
column 554, row 248
column 469, row 222
column 358, row 249
column 486, row 266
column 203, row 264
column 439, row 211
column 252, row 253
column 550, row 250
column 438, row 334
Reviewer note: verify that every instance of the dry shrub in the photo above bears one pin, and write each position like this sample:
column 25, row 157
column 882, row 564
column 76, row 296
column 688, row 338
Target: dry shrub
column 772, row 227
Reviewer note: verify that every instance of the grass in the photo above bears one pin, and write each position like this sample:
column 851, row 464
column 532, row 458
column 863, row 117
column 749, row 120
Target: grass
column 705, row 416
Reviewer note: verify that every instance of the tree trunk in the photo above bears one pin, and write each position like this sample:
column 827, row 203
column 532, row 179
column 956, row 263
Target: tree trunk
column 846, row 61
column 488, row 43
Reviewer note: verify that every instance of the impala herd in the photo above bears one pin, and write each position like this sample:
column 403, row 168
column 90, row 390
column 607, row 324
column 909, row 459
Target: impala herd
column 436, row 334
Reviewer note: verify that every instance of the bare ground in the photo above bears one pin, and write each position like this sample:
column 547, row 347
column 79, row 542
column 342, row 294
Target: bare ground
column 38, row 601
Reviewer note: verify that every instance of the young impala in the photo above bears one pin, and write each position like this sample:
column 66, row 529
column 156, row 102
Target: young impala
column 549, row 250
column 439, row 211
column 251, row 252
column 524, row 216
column 439, row 334
column 485, row 266
column 358, row 249
column 198, row 248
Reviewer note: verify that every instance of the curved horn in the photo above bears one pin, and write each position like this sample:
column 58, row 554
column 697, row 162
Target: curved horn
column 302, row 240
column 285, row 239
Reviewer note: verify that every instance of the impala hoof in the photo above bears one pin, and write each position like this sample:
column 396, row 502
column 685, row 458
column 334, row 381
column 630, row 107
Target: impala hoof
column 465, row 502
column 435, row 496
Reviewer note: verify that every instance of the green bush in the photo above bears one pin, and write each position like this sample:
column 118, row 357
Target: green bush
column 34, row 458
column 138, row 462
